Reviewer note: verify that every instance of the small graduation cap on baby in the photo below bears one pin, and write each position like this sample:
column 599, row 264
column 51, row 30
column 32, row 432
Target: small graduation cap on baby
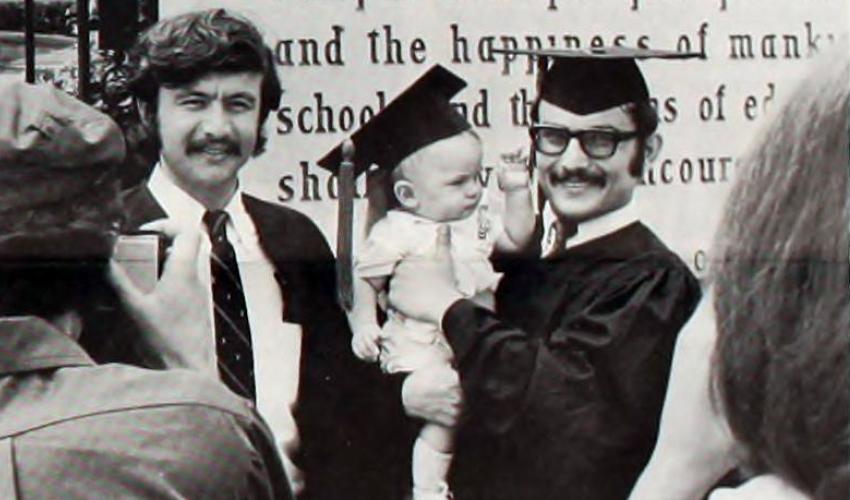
column 419, row 116
column 585, row 81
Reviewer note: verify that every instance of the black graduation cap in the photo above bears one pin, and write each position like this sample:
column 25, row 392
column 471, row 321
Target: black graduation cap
column 585, row 81
column 419, row 116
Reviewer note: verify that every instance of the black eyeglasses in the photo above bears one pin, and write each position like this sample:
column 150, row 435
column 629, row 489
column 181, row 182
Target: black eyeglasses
column 597, row 144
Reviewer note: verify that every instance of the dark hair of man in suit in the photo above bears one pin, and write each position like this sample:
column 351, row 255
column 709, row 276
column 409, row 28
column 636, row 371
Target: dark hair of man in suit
column 782, row 294
column 182, row 49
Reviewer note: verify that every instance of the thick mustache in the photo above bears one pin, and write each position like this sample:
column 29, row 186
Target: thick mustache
column 578, row 175
column 229, row 147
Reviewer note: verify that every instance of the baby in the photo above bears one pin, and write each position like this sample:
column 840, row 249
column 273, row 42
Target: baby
column 432, row 164
column 436, row 185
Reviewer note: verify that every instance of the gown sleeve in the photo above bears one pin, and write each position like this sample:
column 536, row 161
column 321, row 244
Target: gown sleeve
column 608, row 361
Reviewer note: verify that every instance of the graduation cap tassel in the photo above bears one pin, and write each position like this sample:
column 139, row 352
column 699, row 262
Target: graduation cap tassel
column 345, row 227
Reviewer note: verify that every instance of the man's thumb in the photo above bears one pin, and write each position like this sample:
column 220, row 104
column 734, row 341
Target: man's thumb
column 124, row 286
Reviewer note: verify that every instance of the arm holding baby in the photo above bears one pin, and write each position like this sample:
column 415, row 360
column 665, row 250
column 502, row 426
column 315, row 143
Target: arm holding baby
column 366, row 333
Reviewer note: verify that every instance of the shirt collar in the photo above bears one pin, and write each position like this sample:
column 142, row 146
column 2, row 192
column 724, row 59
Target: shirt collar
column 591, row 229
column 241, row 225
column 178, row 204
column 28, row 343
column 604, row 224
column 187, row 211
column 416, row 219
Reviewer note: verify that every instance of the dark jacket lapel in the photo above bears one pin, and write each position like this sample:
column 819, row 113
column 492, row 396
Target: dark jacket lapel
column 302, row 260
column 140, row 207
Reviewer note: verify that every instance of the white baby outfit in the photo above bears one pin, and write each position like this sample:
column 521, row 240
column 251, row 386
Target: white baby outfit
column 409, row 344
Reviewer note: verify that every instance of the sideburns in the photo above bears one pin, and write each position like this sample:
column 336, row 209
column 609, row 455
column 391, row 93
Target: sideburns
column 636, row 166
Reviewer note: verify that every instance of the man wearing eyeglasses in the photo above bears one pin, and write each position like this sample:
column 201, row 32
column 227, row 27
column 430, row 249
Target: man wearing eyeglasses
column 589, row 166
column 564, row 383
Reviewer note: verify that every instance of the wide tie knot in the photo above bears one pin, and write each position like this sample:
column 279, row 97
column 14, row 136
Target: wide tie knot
column 557, row 235
column 216, row 222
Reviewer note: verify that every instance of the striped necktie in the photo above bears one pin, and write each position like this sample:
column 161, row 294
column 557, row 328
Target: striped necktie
column 232, row 331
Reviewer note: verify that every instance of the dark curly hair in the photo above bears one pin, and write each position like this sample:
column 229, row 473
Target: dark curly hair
column 181, row 49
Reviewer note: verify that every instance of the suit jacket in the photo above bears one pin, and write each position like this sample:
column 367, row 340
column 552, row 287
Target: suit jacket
column 348, row 415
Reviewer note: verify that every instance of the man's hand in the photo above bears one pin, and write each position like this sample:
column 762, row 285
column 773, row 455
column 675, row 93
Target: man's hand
column 365, row 341
column 174, row 317
column 424, row 287
column 433, row 394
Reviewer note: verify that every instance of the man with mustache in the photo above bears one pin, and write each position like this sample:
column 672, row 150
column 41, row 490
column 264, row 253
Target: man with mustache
column 205, row 82
column 72, row 428
column 564, row 384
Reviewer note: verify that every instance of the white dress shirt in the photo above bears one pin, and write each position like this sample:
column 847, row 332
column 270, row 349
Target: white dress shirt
column 276, row 345
column 588, row 230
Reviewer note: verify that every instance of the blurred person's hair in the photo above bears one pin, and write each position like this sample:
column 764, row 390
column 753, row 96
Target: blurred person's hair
column 782, row 289
column 54, row 258
column 59, row 205
column 180, row 50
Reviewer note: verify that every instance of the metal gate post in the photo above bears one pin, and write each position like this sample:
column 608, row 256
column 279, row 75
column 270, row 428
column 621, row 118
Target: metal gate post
column 83, row 51
column 29, row 40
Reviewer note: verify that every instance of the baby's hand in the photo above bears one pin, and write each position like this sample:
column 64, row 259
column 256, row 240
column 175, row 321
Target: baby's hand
column 513, row 171
column 366, row 342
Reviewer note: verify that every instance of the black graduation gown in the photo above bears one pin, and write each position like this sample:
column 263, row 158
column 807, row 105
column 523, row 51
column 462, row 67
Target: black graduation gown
column 564, row 387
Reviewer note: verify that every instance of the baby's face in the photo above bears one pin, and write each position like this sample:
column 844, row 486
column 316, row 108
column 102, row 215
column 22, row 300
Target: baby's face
column 446, row 179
